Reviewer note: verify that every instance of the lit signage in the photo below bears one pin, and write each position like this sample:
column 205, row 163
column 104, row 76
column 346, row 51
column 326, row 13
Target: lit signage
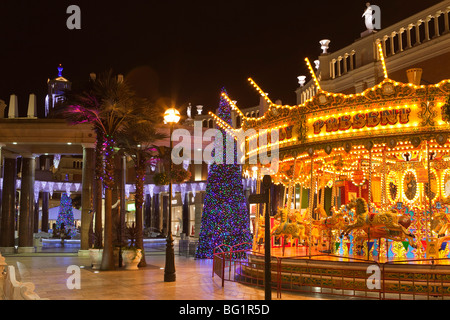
column 361, row 120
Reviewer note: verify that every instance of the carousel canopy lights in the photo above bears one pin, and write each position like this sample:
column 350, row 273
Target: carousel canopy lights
column 383, row 63
column 233, row 105
column 313, row 74
column 262, row 93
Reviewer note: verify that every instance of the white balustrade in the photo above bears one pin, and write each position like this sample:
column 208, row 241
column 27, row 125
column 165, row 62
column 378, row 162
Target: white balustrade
column 418, row 29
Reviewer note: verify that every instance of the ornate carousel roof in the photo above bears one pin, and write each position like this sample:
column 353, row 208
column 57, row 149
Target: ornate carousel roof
column 340, row 130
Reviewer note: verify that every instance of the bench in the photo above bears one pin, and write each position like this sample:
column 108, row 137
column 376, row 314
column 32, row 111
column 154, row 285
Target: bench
column 15, row 290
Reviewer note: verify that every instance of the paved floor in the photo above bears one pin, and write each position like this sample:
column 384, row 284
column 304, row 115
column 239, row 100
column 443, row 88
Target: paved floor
column 194, row 280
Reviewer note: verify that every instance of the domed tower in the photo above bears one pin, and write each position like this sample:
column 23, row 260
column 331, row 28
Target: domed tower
column 56, row 88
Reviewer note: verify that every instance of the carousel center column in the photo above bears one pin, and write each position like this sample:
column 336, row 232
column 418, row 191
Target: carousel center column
column 26, row 215
column 7, row 225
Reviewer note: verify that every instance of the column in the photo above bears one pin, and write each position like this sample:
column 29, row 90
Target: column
column 352, row 57
column 198, row 213
column 392, row 42
column 45, row 199
column 87, row 194
column 148, row 211
column 44, row 218
column 185, row 214
column 339, row 66
column 345, row 62
column 165, row 213
column 436, row 24
column 418, row 42
column 36, row 202
column 36, row 216
column 408, row 36
column 26, row 213
column 158, row 213
column 332, row 70
column 447, row 27
column 384, row 44
column 8, row 204
column 427, row 28
column 400, row 39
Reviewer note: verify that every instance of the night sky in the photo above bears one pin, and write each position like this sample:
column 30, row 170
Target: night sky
column 179, row 51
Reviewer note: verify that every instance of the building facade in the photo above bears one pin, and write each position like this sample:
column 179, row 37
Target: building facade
column 41, row 158
column 421, row 41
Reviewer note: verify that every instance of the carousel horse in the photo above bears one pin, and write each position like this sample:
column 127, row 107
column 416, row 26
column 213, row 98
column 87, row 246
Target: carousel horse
column 287, row 229
column 261, row 232
column 337, row 221
column 440, row 225
column 297, row 216
column 304, row 224
column 320, row 212
column 389, row 225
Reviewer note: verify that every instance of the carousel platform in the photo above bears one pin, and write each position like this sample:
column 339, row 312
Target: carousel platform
column 356, row 276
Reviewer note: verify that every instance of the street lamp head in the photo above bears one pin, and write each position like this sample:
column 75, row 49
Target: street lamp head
column 172, row 116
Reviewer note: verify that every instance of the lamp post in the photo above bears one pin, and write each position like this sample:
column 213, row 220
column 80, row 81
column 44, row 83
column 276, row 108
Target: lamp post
column 171, row 117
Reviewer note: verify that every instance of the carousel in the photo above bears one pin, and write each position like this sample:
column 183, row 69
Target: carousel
column 365, row 175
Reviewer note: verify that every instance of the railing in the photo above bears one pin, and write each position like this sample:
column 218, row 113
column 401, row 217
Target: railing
column 308, row 91
column 432, row 284
column 409, row 33
column 416, row 30
column 223, row 257
column 349, row 277
column 313, row 278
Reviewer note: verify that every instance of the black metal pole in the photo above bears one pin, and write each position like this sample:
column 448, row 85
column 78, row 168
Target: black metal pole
column 267, row 181
column 169, row 270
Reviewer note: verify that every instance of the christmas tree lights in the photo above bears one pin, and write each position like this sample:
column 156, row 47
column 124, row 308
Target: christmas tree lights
column 225, row 217
column 65, row 215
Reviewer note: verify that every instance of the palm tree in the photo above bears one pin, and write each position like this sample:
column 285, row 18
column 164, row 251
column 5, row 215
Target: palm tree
column 136, row 140
column 108, row 104
column 98, row 189
column 85, row 96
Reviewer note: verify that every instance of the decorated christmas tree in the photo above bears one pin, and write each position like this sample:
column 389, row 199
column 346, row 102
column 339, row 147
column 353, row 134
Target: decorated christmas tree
column 65, row 214
column 225, row 217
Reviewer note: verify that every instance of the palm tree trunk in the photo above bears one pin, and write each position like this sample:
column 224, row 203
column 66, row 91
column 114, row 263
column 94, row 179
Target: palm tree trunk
column 99, row 190
column 98, row 213
column 108, row 250
column 139, row 200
